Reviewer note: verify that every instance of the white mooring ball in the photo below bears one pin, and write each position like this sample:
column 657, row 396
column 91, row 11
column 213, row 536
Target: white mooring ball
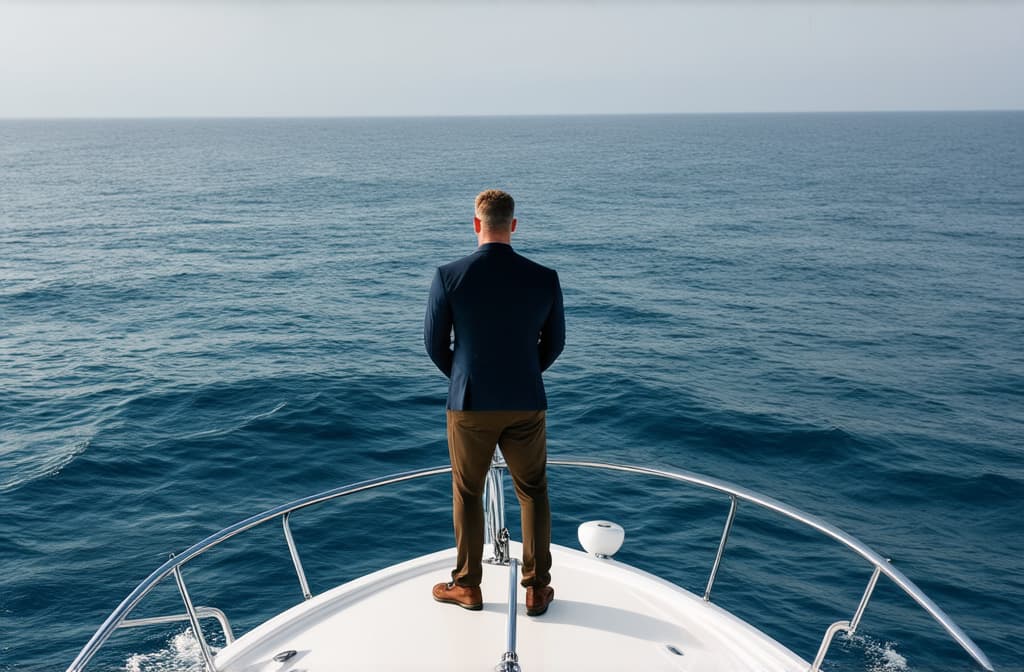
column 601, row 538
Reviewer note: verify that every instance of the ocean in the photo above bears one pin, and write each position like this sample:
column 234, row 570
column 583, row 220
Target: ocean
column 201, row 319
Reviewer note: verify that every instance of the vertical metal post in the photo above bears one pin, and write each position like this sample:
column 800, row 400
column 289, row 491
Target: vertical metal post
column 721, row 546
column 513, row 575
column 849, row 627
column 194, row 620
column 494, row 509
column 295, row 557
column 510, row 661
column 855, row 621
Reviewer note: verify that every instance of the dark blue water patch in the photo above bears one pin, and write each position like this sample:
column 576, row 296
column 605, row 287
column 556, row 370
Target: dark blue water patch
column 966, row 489
column 999, row 384
column 742, row 437
column 79, row 297
column 46, row 296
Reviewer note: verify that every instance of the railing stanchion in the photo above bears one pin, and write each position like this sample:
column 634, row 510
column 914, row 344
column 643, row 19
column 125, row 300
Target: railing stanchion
column 510, row 661
column 194, row 620
column 494, row 512
column 295, row 556
column 855, row 621
column 733, row 503
column 849, row 627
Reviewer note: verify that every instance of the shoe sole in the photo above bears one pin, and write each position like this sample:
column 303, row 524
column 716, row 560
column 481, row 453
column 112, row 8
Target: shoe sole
column 467, row 607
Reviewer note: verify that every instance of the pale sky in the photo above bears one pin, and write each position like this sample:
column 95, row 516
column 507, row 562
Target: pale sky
column 279, row 58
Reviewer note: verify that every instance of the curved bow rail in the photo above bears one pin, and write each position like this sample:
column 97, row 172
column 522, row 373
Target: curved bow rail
column 881, row 564
column 119, row 617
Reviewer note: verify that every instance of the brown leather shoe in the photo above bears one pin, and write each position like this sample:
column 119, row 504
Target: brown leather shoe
column 538, row 599
column 464, row 596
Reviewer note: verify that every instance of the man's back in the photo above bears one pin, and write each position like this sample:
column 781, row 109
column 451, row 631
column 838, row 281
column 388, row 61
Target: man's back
column 507, row 314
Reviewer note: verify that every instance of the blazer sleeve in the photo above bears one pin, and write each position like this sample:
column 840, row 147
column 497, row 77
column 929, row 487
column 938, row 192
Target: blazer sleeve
column 437, row 326
column 552, row 335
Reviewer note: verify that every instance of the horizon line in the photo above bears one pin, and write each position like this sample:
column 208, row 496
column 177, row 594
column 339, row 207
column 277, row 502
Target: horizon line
column 269, row 117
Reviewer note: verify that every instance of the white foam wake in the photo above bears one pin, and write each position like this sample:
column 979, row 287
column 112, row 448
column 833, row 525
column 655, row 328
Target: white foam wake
column 182, row 654
column 879, row 656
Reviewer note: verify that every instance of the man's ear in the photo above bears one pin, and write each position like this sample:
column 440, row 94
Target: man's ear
column 513, row 227
column 476, row 224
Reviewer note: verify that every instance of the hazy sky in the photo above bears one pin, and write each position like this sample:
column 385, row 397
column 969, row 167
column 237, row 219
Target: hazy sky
column 424, row 58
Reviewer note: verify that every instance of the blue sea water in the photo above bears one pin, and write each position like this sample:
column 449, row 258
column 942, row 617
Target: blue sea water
column 200, row 319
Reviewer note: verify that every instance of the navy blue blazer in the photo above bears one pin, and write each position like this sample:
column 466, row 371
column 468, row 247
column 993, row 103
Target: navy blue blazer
column 509, row 327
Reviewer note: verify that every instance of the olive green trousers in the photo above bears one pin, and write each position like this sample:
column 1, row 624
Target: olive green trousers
column 522, row 438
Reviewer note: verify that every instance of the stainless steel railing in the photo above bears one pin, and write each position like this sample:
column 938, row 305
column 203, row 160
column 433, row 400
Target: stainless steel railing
column 201, row 612
column 117, row 618
column 881, row 565
column 174, row 564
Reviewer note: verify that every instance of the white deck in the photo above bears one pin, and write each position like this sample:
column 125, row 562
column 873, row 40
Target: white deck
column 606, row 616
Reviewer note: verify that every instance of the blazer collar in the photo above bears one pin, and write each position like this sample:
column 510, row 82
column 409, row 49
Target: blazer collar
column 494, row 247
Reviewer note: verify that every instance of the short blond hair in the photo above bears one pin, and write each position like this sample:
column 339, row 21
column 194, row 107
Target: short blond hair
column 495, row 209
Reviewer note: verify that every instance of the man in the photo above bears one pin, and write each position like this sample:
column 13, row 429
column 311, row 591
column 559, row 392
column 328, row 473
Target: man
column 509, row 326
